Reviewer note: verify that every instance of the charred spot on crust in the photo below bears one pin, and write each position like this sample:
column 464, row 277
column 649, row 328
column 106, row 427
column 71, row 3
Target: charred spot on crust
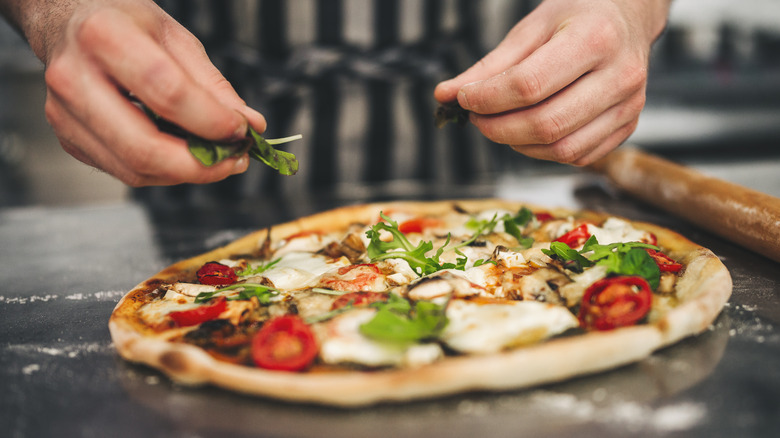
column 173, row 361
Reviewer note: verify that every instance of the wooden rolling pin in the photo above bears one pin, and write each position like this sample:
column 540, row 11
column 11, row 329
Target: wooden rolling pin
column 744, row 216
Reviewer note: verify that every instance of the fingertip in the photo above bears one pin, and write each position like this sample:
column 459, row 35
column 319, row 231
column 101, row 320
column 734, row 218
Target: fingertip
column 256, row 120
column 241, row 165
column 445, row 91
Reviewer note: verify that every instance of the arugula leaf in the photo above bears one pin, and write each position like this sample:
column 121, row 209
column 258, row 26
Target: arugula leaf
column 450, row 112
column 398, row 321
column 401, row 248
column 512, row 226
column 211, row 152
column 259, row 269
column 262, row 150
column 248, row 290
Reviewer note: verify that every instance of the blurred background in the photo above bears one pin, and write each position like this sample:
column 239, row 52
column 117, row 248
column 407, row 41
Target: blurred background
column 356, row 77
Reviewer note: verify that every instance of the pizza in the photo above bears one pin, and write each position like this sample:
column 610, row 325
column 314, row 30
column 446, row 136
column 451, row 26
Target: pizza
column 390, row 302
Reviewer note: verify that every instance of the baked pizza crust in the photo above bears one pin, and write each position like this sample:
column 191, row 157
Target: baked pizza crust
column 703, row 290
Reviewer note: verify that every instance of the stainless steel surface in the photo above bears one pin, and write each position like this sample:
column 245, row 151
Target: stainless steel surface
column 63, row 270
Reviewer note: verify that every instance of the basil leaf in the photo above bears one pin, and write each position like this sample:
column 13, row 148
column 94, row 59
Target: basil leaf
column 571, row 258
column 401, row 323
column 638, row 262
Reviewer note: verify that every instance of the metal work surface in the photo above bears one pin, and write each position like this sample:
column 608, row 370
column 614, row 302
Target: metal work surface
column 64, row 269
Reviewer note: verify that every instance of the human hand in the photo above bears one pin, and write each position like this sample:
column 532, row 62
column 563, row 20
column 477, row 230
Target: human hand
column 102, row 51
column 568, row 82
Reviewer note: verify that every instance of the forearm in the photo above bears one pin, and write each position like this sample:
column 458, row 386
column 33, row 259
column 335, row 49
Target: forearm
column 41, row 22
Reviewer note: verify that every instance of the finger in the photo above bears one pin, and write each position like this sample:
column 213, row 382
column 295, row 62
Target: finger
column 545, row 72
column 186, row 50
column 567, row 111
column 117, row 137
column 137, row 63
column 527, row 36
column 606, row 131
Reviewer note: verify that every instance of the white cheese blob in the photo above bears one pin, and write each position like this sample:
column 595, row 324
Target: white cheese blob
column 156, row 311
column 478, row 328
column 343, row 343
column 297, row 270
column 616, row 230
column 311, row 242
column 511, row 259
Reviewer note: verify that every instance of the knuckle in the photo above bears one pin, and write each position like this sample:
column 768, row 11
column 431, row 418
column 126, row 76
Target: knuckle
column 168, row 87
column 565, row 151
column 57, row 77
column 527, row 88
column 632, row 108
column 549, row 129
column 604, row 35
column 633, row 77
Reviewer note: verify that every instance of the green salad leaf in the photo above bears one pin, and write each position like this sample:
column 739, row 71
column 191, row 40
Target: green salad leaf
column 621, row 258
column 398, row 321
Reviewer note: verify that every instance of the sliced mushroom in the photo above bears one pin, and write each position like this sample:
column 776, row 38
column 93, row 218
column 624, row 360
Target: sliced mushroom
column 541, row 285
column 445, row 283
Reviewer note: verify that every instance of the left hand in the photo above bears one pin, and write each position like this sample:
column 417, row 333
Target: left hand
column 568, row 82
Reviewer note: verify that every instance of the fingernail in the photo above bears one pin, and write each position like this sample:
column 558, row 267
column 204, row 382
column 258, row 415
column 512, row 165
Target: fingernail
column 242, row 129
column 241, row 165
column 463, row 100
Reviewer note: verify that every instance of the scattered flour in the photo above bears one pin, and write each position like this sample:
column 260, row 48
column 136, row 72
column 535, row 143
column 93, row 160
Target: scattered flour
column 629, row 415
column 98, row 296
column 30, row 369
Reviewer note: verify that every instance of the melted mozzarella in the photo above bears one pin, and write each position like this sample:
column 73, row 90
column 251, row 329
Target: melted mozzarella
column 343, row 343
column 488, row 328
column 616, row 230
column 191, row 289
column 297, row 270
column 312, row 242
column 155, row 312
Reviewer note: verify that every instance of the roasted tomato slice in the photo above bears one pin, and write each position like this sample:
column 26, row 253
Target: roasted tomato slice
column 664, row 262
column 206, row 312
column 216, row 274
column 284, row 343
column 576, row 237
column 615, row 302
column 418, row 225
column 357, row 299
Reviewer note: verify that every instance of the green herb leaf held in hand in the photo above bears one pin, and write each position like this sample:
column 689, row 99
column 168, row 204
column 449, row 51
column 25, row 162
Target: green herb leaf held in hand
column 211, row 152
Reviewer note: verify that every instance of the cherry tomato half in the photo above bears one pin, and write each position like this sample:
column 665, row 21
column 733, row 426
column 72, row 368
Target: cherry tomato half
column 216, row 274
column 284, row 343
column 418, row 225
column 576, row 237
column 664, row 262
column 615, row 302
column 206, row 312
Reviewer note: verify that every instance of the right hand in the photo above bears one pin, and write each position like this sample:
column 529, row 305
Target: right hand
column 107, row 49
